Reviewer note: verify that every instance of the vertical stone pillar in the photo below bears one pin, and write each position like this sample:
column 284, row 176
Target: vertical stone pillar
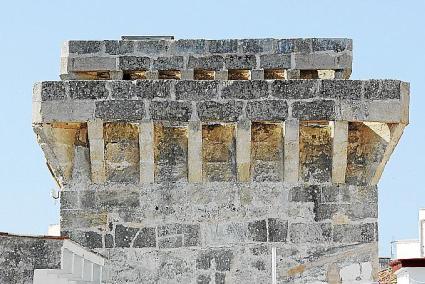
column 146, row 144
column 97, row 154
column 291, row 151
column 339, row 151
column 243, row 150
column 195, row 151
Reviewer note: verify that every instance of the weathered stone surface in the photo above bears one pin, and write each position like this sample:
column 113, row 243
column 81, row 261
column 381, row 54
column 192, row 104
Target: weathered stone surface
column 168, row 63
column 170, row 110
column 213, row 62
column 170, row 153
column 153, row 46
column 196, row 90
column 258, row 231
column 221, row 257
column 277, row 230
column 124, row 235
column 240, row 62
column 219, row 111
column 334, row 44
column 120, row 110
column 294, row 89
column 19, row 256
column 314, row 110
column 134, row 63
column 145, row 238
column 271, row 110
column 52, row 91
column 149, row 89
column 82, row 90
column 256, row 45
column 315, row 152
column 223, row 46
column 312, row 232
column 115, row 47
column 245, row 90
column 273, row 61
column 350, row 233
column 381, row 89
column 345, row 90
column 84, row 47
column 190, row 46
column 294, row 45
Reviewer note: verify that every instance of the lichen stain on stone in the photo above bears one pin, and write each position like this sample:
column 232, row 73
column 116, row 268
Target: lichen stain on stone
column 315, row 151
column 266, row 151
column 218, row 152
column 365, row 151
column 122, row 152
column 171, row 146
column 296, row 270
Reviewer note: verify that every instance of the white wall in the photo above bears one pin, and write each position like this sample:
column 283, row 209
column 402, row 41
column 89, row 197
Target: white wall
column 407, row 249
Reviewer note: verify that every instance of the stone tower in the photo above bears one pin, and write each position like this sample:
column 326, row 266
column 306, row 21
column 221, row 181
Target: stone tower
column 220, row 161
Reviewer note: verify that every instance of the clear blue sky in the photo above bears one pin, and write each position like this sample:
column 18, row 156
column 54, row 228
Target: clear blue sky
column 389, row 42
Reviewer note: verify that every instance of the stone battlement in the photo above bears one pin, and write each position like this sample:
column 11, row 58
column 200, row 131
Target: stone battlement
column 220, row 161
column 207, row 59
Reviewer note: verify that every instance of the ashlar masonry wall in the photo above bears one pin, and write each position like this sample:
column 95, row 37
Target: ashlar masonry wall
column 186, row 175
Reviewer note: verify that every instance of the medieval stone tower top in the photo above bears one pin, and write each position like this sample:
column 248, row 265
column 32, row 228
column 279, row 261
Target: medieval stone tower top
column 220, row 161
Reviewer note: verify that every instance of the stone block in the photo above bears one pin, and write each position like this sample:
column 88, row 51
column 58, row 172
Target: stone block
column 69, row 200
column 51, row 90
column 145, row 238
column 331, row 44
column 149, row 89
column 256, row 45
column 269, row 110
column 170, row 242
column 93, row 240
column 83, row 90
column 76, row 219
column 257, row 231
column 170, row 110
column 310, row 232
column 109, row 241
column 245, row 61
column 213, row 62
column 228, row 111
column 119, row 47
column 120, row 89
column 192, row 235
column 134, row 63
column 190, row 46
column 120, row 110
column 223, row 46
column 168, row 63
column 277, row 230
column 342, row 89
column 196, row 90
column 275, row 61
column 153, row 47
column 314, row 61
column 171, row 153
column 299, row 45
column 84, row 47
column 310, row 193
column 222, row 257
column 219, row 234
column 114, row 199
column 354, row 233
column 381, row 89
column 96, row 63
column 124, row 236
column 314, row 110
column 244, row 90
column 294, row 89
column 257, row 74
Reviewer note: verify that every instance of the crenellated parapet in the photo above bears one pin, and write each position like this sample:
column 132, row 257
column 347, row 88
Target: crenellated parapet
column 207, row 59
column 220, row 161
